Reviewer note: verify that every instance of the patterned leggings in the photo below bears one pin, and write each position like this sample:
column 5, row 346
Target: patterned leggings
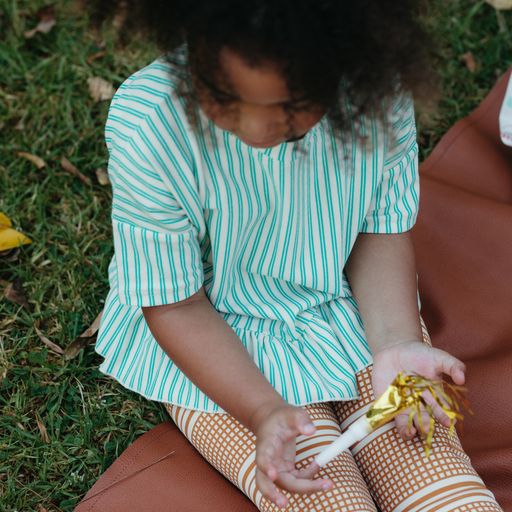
column 381, row 471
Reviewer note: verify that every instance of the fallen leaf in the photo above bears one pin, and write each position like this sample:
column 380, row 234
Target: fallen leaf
column 500, row 4
column 42, row 430
column 50, row 344
column 10, row 238
column 47, row 21
column 69, row 167
column 13, row 292
column 84, row 339
column 93, row 328
column 469, row 59
column 40, row 508
column 100, row 89
column 75, row 346
column 102, row 176
column 95, row 56
column 37, row 161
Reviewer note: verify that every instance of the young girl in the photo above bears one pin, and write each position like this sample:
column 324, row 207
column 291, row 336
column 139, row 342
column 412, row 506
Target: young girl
column 263, row 286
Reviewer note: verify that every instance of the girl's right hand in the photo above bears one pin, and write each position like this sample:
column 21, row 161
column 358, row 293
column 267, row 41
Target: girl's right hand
column 275, row 455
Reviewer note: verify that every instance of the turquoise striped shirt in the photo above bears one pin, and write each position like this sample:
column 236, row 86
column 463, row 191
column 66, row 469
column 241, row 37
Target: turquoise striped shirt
column 266, row 231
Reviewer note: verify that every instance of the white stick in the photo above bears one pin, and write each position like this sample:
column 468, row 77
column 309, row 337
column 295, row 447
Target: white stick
column 357, row 431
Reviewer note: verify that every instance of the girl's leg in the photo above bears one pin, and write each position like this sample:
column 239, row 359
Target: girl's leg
column 398, row 474
column 230, row 447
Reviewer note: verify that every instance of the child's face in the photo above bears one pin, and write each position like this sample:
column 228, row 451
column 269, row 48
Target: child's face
column 252, row 106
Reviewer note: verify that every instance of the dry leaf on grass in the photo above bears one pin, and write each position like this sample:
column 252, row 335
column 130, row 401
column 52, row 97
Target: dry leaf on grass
column 95, row 56
column 69, row 167
column 75, row 346
column 14, row 292
column 42, row 430
column 37, row 161
column 10, row 238
column 20, row 125
column 93, row 328
column 100, row 89
column 500, row 4
column 469, row 59
column 102, row 176
column 83, row 340
column 46, row 17
column 50, row 344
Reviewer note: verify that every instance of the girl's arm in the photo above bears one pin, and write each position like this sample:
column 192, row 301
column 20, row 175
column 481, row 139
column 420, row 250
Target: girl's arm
column 381, row 270
column 207, row 350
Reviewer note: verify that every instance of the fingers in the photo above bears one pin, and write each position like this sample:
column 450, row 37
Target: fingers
column 450, row 365
column 265, row 454
column 303, row 423
column 309, row 471
column 402, row 425
column 422, row 422
column 302, row 485
column 269, row 490
column 276, row 472
column 439, row 414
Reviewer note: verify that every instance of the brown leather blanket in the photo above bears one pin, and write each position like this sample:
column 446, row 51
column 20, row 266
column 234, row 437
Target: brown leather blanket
column 463, row 241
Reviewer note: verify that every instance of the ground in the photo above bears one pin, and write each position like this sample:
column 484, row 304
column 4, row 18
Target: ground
column 62, row 423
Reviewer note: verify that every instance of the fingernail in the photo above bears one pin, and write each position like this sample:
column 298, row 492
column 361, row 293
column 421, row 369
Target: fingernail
column 281, row 502
column 309, row 428
column 408, row 433
column 326, row 486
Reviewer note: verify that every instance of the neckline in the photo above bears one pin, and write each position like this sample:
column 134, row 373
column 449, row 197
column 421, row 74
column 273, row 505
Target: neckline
column 284, row 151
column 290, row 149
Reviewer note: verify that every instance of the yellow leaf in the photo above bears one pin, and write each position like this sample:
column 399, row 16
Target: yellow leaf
column 10, row 238
column 5, row 222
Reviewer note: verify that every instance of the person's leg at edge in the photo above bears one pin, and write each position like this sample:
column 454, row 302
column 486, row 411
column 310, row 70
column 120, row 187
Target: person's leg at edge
column 399, row 475
column 230, row 448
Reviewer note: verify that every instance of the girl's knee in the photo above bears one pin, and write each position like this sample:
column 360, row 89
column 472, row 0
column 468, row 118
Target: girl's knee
column 341, row 497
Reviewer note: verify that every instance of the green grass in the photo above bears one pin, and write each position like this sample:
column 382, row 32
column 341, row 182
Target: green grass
column 45, row 109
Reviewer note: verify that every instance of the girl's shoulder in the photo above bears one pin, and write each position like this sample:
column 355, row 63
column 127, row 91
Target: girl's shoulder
column 159, row 86
column 153, row 101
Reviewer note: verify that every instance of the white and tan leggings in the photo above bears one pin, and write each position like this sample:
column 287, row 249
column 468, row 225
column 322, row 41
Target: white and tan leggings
column 381, row 471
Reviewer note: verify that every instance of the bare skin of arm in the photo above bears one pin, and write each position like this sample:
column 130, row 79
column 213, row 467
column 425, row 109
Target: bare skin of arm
column 382, row 273
column 208, row 351
column 381, row 270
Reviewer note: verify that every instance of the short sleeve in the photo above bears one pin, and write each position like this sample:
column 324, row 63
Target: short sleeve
column 156, row 235
column 395, row 203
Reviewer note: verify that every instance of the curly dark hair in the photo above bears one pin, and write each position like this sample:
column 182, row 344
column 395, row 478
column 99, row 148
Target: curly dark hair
column 326, row 49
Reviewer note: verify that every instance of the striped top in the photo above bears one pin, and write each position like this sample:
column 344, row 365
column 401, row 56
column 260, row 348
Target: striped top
column 266, row 231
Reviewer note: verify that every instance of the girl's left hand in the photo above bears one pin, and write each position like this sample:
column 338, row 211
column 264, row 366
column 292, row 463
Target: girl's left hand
column 420, row 358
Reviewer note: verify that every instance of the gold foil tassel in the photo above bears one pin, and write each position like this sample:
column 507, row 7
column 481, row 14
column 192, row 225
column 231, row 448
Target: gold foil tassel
column 406, row 391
